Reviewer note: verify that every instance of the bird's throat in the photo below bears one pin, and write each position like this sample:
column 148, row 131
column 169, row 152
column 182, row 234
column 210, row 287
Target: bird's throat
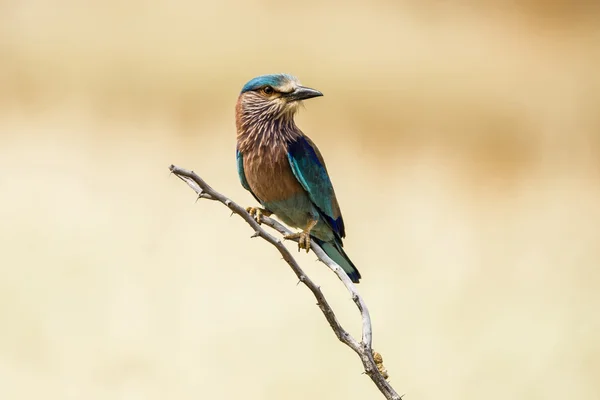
column 265, row 134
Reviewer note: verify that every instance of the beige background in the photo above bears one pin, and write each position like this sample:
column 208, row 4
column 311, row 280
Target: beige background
column 464, row 145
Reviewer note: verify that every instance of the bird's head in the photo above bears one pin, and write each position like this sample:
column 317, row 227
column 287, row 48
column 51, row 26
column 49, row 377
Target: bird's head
column 273, row 96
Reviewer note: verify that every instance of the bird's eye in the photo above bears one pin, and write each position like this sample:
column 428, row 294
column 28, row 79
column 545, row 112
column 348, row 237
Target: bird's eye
column 268, row 90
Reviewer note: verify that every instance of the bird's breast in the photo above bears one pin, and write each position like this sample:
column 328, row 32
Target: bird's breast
column 269, row 175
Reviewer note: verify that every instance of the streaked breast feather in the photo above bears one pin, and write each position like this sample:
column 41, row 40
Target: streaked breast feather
column 269, row 175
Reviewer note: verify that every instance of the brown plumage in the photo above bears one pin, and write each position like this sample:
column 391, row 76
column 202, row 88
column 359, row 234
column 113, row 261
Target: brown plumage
column 265, row 158
column 283, row 168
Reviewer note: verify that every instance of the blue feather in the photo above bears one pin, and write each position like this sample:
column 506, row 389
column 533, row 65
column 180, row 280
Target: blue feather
column 310, row 171
column 240, row 169
column 242, row 174
column 273, row 80
column 335, row 251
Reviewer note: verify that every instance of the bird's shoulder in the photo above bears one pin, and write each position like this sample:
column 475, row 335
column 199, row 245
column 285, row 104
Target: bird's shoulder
column 304, row 147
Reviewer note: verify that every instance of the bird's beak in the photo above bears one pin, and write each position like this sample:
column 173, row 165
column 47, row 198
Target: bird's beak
column 302, row 93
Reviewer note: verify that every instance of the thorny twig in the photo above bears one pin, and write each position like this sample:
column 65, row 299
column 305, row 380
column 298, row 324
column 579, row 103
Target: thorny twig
column 372, row 361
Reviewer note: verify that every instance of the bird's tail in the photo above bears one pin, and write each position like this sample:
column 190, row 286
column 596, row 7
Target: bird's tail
column 335, row 251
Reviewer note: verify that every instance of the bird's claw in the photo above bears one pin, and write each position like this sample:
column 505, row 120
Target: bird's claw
column 303, row 240
column 257, row 213
column 303, row 237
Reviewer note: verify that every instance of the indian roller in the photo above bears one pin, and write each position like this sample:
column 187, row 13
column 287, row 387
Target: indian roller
column 283, row 169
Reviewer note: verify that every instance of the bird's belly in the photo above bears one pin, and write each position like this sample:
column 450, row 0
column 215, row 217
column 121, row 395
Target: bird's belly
column 298, row 211
column 274, row 183
column 271, row 180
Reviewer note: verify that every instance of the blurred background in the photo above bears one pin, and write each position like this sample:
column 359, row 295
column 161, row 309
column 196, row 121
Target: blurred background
column 463, row 140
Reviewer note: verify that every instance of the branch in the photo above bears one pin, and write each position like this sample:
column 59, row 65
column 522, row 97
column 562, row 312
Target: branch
column 372, row 361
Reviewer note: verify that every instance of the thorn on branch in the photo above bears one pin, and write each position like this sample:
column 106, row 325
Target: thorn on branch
column 256, row 234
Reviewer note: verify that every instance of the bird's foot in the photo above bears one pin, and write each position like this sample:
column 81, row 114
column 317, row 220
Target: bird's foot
column 303, row 240
column 303, row 237
column 257, row 213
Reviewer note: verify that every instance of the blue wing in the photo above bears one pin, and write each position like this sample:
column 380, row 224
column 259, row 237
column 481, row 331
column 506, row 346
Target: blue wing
column 242, row 174
column 309, row 168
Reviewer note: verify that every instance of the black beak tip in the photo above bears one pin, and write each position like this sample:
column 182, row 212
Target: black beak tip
column 311, row 93
column 304, row 93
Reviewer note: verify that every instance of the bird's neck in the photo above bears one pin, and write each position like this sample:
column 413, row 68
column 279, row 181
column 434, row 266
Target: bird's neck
column 264, row 132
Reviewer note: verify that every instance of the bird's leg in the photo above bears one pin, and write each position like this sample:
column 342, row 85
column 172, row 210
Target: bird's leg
column 257, row 213
column 303, row 237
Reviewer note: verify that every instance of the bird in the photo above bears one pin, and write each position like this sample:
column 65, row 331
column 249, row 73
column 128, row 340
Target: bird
column 283, row 168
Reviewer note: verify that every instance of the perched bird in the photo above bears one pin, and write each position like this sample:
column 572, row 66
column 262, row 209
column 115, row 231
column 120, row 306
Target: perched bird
column 283, row 168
